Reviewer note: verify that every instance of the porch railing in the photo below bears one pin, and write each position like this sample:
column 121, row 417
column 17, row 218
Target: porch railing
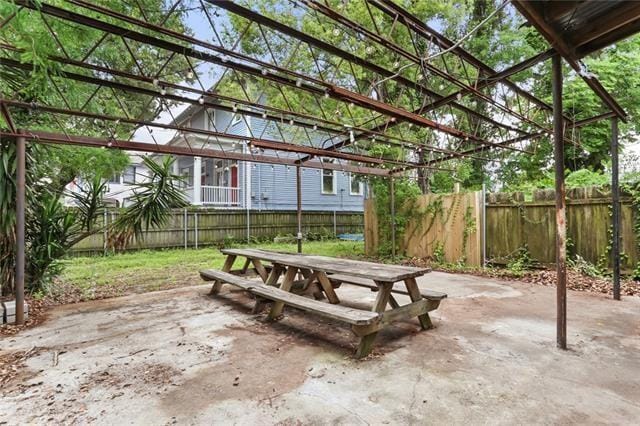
column 217, row 195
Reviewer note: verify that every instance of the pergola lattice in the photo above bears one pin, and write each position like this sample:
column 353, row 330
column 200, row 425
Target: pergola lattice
column 435, row 103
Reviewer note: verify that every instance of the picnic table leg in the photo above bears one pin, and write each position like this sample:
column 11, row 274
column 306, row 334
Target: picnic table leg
column 414, row 294
column 328, row 288
column 228, row 263
column 260, row 269
column 271, row 280
column 276, row 308
column 382, row 299
column 245, row 267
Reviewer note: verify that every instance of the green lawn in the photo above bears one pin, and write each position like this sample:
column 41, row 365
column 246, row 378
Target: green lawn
column 148, row 270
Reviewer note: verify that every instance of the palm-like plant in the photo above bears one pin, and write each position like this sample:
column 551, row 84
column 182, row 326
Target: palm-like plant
column 152, row 202
column 52, row 229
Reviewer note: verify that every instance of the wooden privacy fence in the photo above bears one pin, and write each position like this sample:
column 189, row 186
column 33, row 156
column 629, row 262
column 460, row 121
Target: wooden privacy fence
column 446, row 227
column 513, row 223
column 201, row 227
column 449, row 227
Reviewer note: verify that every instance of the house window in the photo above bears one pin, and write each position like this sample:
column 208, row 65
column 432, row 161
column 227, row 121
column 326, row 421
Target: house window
column 115, row 179
column 187, row 176
column 130, row 174
column 328, row 179
column 356, row 185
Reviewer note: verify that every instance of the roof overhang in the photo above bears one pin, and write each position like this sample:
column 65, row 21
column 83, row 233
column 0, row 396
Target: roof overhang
column 576, row 28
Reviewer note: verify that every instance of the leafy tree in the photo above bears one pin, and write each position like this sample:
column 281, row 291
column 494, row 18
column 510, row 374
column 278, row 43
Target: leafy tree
column 51, row 229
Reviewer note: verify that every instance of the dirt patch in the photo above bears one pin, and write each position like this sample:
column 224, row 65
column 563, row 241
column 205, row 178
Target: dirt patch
column 260, row 364
column 142, row 376
column 13, row 369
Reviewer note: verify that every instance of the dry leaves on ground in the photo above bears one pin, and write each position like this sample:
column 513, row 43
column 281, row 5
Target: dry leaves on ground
column 575, row 280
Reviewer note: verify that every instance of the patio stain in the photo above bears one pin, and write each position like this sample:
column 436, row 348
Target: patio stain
column 257, row 365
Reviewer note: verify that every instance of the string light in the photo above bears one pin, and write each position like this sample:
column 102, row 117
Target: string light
column 155, row 82
column 190, row 75
column 315, row 127
column 291, row 122
column 298, row 83
column 163, row 91
column 336, row 32
column 265, row 71
column 201, row 100
column 235, row 108
column 264, row 115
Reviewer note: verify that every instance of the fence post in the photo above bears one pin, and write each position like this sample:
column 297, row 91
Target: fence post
column 393, row 218
column 195, row 225
column 105, row 236
column 335, row 225
column 185, row 229
column 484, row 225
column 248, row 226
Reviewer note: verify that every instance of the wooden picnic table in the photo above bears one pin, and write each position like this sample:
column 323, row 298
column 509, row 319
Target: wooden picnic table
column 322, row 275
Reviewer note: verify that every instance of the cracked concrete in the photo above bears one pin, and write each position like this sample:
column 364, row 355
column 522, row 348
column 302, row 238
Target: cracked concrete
column 179, row 356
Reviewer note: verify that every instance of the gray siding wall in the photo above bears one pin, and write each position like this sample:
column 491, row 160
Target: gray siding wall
column 274, row 187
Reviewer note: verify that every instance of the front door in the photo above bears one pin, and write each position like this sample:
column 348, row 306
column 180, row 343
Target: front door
column 234, row 183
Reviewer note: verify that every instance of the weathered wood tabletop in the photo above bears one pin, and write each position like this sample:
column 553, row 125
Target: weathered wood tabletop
column 357, row 268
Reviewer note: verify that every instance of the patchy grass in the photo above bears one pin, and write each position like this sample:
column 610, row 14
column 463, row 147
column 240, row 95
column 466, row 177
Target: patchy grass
column 98, row 277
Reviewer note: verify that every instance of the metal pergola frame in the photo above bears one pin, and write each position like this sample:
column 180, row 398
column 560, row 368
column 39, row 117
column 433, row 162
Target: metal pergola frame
column 498, row 125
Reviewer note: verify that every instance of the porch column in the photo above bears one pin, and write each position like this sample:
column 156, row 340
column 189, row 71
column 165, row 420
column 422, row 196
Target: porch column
column 176, row 165
column 197, row 179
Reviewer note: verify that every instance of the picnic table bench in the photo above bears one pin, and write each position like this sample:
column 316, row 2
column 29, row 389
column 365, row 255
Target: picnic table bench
column 321, row 276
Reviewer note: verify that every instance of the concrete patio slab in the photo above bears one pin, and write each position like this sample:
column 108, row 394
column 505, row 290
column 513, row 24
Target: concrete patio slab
column 180, row 356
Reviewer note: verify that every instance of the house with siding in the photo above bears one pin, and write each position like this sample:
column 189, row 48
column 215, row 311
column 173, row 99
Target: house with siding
column 232, row 184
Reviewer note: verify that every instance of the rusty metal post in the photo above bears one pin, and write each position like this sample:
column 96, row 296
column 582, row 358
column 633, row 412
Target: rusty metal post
column 299, row 202
column 561, row 223
column 20, row 246
column 392, row 198
column 615, row 195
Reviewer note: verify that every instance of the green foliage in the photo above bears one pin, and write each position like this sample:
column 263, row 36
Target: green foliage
column 152, row 201
column 406, row 209
column 573, row 179
column 633, row 188
column 438, row 252
column 520, row 262
column 50, row 169
column 52, row 229
column 584, row 267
